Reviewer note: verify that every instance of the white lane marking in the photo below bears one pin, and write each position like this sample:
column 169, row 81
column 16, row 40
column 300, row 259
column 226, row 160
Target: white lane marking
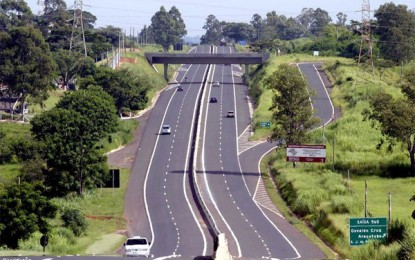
column 186, row 167
column 328, row 97
column 207, row 182
column 146, row 180
column 269, row 220
column 308, row 91
column 153, row 238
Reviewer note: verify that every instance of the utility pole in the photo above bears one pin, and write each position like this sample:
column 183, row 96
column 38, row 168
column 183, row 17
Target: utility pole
column 78, row 33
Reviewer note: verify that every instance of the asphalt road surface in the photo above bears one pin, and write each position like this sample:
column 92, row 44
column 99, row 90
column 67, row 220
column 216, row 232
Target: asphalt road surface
column 229, row 180
column 169, row 217
column 159, row 201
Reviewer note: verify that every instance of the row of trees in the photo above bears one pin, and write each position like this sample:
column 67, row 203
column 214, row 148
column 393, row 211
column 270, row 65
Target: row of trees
column 63, row 155
column 309, row 23
column 393, row 33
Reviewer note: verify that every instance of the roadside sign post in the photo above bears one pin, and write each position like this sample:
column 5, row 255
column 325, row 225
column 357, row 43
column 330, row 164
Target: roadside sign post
column 362, row 230
column 265, row 124
column 306, row 153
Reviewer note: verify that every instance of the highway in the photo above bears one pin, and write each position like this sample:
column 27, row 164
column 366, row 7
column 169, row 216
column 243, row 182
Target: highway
column 227, row 174
column 229, row 183
column 172, row 221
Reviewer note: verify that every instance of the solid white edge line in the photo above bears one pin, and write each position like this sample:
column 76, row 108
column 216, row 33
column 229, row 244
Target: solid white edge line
column 149, row 166
column 308, row 91
column 207, row 184
column 184, row 176
column 259, row 207
column 327, row 93
column 148, row 173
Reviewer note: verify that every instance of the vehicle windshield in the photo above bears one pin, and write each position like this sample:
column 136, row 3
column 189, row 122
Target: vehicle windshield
column 138, row 241
column 166, row 127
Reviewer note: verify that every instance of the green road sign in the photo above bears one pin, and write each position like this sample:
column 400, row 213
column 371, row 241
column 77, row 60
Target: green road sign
column 266, row 124
column 365, row 229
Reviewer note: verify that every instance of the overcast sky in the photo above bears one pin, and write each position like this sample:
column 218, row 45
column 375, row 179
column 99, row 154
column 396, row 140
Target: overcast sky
column 137, row 13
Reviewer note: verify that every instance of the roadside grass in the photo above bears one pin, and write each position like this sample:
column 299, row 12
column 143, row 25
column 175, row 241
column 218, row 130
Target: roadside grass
column 103, row 209
column 401, row 190
column 54, row 97
column 121, row 137
column 15, row 129
column 8, row 174
column 351, row 148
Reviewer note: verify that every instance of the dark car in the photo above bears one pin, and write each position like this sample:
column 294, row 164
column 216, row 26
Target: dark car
column 179, row 88
column 213, row 100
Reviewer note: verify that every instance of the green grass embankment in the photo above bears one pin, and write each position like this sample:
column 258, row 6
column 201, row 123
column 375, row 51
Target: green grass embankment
column 319, row 193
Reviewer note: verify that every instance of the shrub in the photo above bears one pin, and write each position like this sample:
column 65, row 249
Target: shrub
column 396, row 231
column 309, row 200
column 343, row 204
column 73, row 219
column 408, row 245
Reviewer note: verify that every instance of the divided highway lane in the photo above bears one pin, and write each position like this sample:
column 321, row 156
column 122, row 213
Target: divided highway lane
column 174, row 224
column 322, row 105
column 323, row 109
column 250, row 233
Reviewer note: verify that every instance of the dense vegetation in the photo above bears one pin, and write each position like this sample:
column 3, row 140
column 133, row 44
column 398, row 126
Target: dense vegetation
column 60, row 156
column 52, row 167
column 368, row 140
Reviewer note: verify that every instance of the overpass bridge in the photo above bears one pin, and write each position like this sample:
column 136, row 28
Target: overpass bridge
column 202, row 58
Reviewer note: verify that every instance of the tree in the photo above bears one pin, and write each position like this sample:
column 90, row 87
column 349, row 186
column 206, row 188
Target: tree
column 129, row 91
column 14, row 14
column 55, row 24
column 213, row 29
column 179, row 27
column 395, row 119
column 72, row 65
column 341, row 19
column 69, row 135
column 96, row 108
column 26, row 64
column 320, row 20
column 168, row 27
column 395, row 28
column 238, row 31
column 314, row 20
column 292, row 112
column 23, row 210
column 257, row 23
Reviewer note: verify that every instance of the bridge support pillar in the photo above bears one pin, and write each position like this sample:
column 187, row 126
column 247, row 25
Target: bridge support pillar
column 166, row 67
column 246, row 69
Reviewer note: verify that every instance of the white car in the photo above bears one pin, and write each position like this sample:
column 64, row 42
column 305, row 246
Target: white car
column 230, row 114
column 216, row 84
column 137, row 246
column 165, row 130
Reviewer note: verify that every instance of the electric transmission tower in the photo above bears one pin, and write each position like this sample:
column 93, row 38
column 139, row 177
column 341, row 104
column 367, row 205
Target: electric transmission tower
column 365, row 61
column 78, row 34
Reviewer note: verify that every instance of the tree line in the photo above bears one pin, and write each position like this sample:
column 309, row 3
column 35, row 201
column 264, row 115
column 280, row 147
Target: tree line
column 62, row 156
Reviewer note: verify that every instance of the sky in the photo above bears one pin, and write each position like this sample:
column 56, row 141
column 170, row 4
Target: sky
column 132, row 15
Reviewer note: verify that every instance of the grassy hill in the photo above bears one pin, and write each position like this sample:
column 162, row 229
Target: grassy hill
column 321, row 194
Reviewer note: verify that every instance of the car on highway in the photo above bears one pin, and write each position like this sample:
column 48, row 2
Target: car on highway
column 137, row 246
column 165, row 130
column 230, row 114
column 179, row 88
column 216, row 84
column 213, row 100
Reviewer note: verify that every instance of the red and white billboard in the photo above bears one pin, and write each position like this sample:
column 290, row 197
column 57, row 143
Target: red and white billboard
column 306, row 153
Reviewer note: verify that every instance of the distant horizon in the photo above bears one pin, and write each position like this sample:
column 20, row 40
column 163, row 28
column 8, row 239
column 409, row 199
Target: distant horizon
column 130, row 15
